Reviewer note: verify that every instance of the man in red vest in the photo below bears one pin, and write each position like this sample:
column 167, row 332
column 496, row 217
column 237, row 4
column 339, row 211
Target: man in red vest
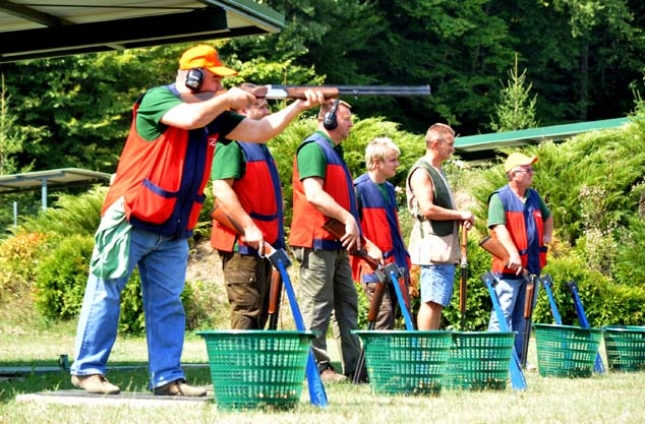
column 323, row 189
column 247, row 187
column 151, row 209
column 377, row 208
column 523, row 224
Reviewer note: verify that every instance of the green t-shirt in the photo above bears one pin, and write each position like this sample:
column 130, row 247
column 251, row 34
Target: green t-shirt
column 312, row 161
column 159, row 100
column 227, row 162
column 497, row 215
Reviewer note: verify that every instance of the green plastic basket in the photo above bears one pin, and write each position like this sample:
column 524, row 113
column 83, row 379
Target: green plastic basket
column 480, row 360
column 625, row 347
column 406, row 362
column 257, row 368
column 566, row 351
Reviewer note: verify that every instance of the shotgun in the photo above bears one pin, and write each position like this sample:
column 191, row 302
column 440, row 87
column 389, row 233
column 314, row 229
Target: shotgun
column 463, row 283
column 495, row 248
column 529, row 302
column 275, row 289
column 331, row 91
column 337, row 229
column 275, row 294
column 280, row 260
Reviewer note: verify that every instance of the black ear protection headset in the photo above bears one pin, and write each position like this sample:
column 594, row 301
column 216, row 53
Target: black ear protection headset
column 194, row 79
column 329, row 120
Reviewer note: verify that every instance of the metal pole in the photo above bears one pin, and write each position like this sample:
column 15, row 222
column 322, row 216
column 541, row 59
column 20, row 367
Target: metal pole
column 44, row 193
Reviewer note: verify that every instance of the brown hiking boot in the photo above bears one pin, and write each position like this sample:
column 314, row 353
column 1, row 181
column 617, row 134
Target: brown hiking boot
column 95, row 383
column 328, row 375
column 179, row 388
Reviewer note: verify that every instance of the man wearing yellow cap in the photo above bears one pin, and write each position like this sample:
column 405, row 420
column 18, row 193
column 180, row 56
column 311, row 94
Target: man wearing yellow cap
column 521, row 221
column 151, row 209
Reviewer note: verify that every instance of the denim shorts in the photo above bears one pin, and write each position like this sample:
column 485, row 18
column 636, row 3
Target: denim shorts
column 437, row 283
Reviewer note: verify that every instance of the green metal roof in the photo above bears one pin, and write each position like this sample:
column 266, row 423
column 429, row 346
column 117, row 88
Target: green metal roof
column 49, row 28
column 483, row 143
column 54, row 178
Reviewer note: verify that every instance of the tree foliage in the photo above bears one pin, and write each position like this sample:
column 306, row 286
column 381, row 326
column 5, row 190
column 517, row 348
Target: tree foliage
column 516, row 109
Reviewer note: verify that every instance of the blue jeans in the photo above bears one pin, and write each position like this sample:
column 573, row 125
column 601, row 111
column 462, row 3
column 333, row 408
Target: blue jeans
column 162, row 263
column 511, row 293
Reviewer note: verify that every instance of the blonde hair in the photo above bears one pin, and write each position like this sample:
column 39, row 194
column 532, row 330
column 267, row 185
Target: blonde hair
column 378, row 149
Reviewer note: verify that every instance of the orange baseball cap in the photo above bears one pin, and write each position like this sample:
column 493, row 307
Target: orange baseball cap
column 206, row 57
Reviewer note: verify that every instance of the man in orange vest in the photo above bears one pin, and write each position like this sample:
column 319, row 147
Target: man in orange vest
column 523, row 224
column 151, row 209
column 323, row 189
column 379, row 219
column 247, row 187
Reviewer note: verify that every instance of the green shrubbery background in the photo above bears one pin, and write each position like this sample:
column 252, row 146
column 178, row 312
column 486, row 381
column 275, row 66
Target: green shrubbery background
column 593, row 184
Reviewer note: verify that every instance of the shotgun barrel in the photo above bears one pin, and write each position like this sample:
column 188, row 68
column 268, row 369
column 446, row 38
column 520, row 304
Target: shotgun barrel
column 528, row 317
column 330, row 91
column 463, row 282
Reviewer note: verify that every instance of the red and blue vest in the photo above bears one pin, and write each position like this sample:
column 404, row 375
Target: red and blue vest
column 526, row 226
column 260, row 194
column 380, row 224
column 307, row 221
column 163, row 180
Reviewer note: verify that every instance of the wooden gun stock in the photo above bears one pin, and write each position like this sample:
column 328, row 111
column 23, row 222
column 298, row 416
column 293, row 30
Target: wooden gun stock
column 275, row 294
column 375, row 304
column 220, row 216
column 463, row 282
column 530, row 294
column 337, row 228
column 495, row 248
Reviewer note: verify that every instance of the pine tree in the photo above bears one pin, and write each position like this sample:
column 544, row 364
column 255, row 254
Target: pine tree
column 516, row 110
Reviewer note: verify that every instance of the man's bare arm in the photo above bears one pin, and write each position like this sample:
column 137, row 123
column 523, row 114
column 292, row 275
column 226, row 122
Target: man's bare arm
column 423, row 189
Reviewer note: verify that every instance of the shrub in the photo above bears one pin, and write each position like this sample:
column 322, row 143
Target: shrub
column 20, row 255
column 60, row 278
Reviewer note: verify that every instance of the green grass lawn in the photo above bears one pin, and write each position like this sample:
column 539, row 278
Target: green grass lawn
column 609, row 398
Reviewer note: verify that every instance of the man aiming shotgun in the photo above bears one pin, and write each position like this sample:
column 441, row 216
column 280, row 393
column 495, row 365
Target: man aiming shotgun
column 522, row 223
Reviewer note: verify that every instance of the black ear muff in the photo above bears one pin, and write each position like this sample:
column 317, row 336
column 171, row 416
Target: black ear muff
column 194, row 79
column 329, row 120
